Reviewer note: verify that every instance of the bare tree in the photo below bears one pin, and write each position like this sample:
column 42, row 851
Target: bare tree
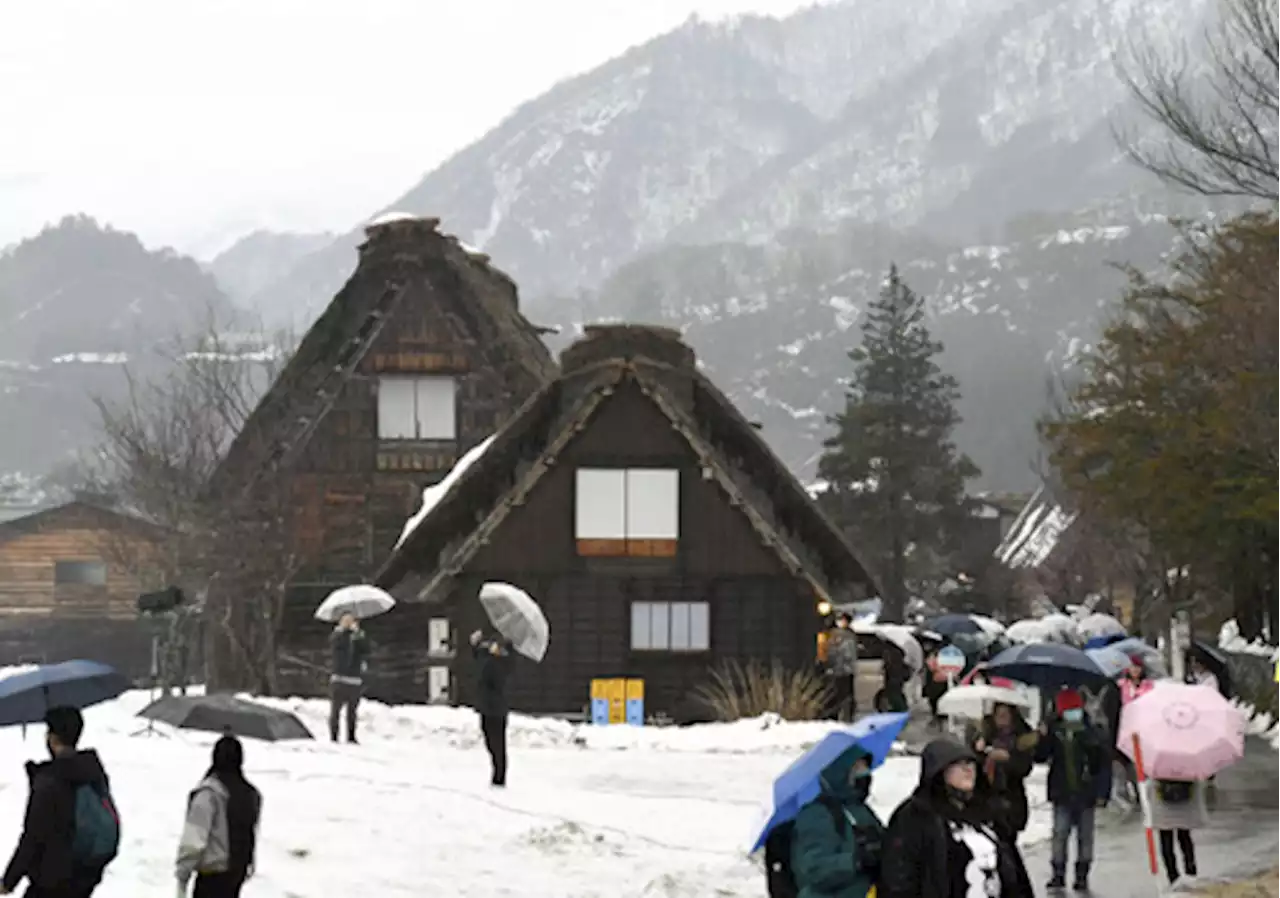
column 160, row 444
column 1220, row 125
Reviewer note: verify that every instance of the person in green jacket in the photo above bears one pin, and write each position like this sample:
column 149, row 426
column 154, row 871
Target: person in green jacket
column 835, row 843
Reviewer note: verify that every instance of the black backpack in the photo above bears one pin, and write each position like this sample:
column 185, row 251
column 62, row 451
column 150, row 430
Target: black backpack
column 781, row 882
column 1173, row 791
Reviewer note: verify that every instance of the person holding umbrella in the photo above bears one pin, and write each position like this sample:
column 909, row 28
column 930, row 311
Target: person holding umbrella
column 1075, row 755
column 349, row 649
column 493, row 657
column 836, row 840
column 1007, row 747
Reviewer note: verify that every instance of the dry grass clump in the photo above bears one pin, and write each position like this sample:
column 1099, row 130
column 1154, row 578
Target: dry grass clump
column 736, row 691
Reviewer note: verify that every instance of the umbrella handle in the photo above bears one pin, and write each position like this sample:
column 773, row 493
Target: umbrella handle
column 1142, row 778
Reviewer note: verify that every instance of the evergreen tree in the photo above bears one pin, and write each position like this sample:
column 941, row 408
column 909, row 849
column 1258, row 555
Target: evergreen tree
column 895, row 479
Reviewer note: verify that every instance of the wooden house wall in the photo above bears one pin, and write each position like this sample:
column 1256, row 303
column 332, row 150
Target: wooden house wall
column 355, row 492
column 758, row 611
column 42, row 620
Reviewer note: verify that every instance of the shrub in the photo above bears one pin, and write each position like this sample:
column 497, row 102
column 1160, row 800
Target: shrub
column 735, row 691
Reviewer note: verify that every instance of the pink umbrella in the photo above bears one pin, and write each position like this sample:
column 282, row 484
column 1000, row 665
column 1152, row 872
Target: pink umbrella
column 1187, row 732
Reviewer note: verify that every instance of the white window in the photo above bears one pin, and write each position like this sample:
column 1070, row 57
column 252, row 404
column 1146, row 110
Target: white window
column 438, row 685
column 438, row 642
column 627, row 504
column 670, row 626
column 417, row 408
column 80, row 573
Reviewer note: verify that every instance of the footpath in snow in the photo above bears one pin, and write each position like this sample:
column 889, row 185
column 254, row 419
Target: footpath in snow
column 590, row 811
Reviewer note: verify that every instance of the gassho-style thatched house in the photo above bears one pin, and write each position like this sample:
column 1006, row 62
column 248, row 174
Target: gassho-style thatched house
column 658, row 531
column 70, row 576
column 421, row 355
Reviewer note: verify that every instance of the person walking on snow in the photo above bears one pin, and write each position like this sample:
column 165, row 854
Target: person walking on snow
column 1006, row 746
column 842, row 662
column 837, row 839
column 1177, row 808
column 71, row 830
column 1075, row 755
column 949, row 840
column 493, row 657
column 349, row 647
column 221, row 830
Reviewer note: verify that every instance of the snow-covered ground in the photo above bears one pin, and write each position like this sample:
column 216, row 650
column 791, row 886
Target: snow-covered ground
column 617, row 811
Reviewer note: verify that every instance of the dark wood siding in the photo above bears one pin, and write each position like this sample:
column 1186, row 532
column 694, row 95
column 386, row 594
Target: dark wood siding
column 355, row 493
column 758, row 612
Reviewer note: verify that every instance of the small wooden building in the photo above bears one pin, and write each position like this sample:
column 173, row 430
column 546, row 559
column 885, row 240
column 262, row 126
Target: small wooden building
column 658, row 531
column 420, row 356
column 69, row 583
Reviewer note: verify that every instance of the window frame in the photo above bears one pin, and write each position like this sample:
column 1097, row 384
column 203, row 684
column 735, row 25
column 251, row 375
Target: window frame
column 624, row 545
column 415, row 382
column 669, row 648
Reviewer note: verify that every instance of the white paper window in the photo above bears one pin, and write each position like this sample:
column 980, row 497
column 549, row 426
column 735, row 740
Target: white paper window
column 653, row 503
column 417, row 408
column 438, row 684
column 670, row 627
column 438, row 636
column 396, row 401
column 600, row 503
column 437, row 405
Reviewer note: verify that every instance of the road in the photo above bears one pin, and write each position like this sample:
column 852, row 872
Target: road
column 1243, row 839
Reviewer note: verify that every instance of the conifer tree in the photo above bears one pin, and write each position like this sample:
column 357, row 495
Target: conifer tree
column 896, row 482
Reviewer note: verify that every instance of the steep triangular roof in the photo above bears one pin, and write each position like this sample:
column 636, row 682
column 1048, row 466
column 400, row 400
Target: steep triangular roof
column 755, row 480
column 402, row 255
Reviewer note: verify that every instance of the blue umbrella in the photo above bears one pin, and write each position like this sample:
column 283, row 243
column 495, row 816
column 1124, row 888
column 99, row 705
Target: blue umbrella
column 25, row 697
column 1110, row 660
column 1047, row 665
column 799, row 784
column 1098, row 642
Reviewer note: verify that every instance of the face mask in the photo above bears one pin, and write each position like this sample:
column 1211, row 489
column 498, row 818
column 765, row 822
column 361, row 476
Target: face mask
column 1075, row 715
column 861, row 785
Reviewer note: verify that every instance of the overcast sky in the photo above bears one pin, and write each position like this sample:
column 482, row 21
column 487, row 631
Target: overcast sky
column 191, row 122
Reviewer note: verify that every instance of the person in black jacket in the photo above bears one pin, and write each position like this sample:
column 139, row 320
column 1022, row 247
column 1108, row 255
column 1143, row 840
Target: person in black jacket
column 1076, row 755
column 350, row 650
column 949, row 840
column 1006, row 746
column 44, row 853
column 493, row 658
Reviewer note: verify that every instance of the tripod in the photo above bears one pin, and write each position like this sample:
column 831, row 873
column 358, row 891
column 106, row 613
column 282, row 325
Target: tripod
column 150, row 728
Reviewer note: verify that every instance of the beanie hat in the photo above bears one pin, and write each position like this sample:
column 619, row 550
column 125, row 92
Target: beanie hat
column 1068, row 700
column 1136, row 659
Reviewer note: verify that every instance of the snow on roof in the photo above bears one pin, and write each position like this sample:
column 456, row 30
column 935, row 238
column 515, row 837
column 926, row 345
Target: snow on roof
column 432, row 495
column 1035, row 532
column 391, row 217
column 92, row 358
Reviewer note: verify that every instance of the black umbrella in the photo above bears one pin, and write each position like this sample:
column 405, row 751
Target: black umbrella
column 1216, row 661
column 25, row 697
column 951, row 625
column 226, row 714
column 1047, row 665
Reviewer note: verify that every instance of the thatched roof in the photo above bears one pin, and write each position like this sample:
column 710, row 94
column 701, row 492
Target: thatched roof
column 403, row 260
column 655, row 360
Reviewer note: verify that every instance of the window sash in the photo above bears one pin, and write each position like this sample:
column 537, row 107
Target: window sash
column 670, row 627
column 78, row 572
column 417, row 408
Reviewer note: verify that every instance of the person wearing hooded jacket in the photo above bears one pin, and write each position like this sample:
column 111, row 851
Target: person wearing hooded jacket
column 493, row 657
column 220, row 834
column 949, row 839
column 43, row 856
column 837, row 855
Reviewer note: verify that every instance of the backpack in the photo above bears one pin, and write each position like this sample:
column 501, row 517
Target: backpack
column 781, row 881
column 1173, row 791
column 97, row 827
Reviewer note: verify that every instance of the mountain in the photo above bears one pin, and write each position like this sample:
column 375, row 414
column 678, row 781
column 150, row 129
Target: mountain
column 76, row 302
column 773, row 323
column 948, row 117
column 259, row 258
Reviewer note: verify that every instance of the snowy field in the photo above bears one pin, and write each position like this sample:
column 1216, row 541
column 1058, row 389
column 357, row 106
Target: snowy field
column 589, row 811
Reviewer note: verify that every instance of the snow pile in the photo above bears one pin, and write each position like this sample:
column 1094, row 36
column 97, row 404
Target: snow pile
column 1230, row 640
column 432, row 495
column 628, row 813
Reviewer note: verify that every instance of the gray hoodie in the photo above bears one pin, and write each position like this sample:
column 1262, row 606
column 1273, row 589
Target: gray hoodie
column 205, row 845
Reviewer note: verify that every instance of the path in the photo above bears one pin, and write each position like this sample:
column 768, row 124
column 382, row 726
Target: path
column 1243, row 839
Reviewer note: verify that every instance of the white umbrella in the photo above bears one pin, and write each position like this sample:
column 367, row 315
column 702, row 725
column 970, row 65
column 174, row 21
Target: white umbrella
column 515, row 615
column 1062, row 628
column 1096, row 625
column 901, row 636
column 989, row 625
column 1027, row 632
column 971, row 702
column 362, row 600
